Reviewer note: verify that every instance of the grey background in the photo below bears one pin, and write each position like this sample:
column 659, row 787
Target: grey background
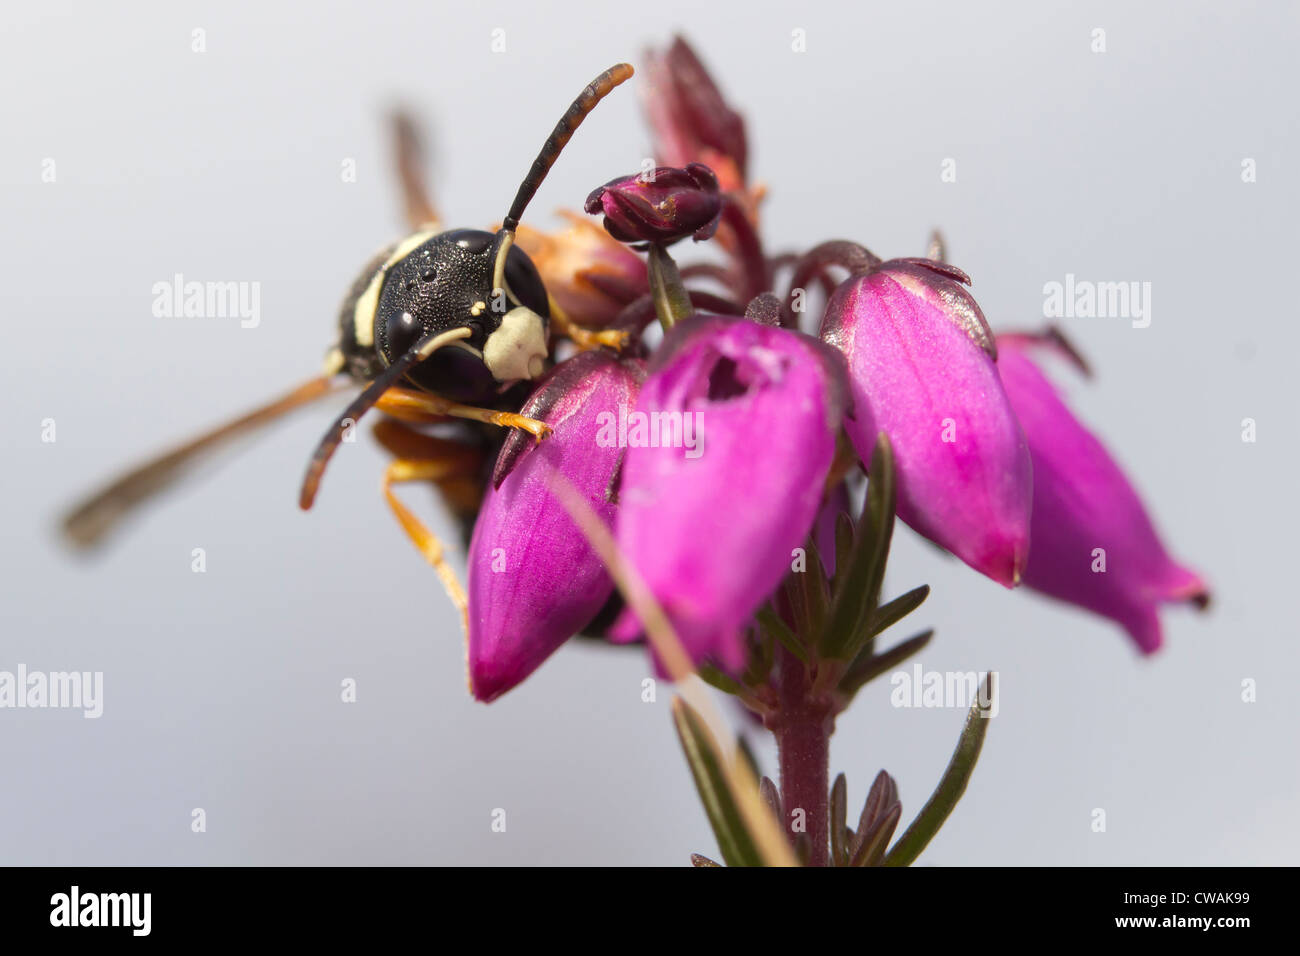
column 222, row 689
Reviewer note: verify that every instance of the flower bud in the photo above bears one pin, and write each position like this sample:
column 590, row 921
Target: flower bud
column 711, row 522
column 1092, row 541
column 534, row 579
column 921, row 369
column 662, row 208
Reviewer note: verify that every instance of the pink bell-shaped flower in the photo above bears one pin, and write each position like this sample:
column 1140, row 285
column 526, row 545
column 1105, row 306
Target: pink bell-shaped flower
column 1092, row 542
column 922, row 369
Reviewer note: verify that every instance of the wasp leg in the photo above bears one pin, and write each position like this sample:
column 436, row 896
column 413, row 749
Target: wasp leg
column 426, row 458
column 427, row 408
column 419, row 211
column 585, row 339
column 462, row 491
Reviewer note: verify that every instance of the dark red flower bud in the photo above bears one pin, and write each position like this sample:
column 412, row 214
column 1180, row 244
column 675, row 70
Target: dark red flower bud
column 661, row 207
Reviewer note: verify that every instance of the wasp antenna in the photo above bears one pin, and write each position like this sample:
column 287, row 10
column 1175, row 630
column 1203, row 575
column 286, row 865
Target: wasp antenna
column 594, row 92
column 364, row 402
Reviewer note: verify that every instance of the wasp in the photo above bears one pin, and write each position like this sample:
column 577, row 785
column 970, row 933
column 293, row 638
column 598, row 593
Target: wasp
column 440, row 326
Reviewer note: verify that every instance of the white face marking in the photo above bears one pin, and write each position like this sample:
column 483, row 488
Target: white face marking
column 518, row 348
column 334, row 362
column 363, row 313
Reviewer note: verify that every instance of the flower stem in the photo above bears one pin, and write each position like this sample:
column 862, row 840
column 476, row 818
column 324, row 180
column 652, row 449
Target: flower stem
column 672, row 303
column 748, row 252
column 814, row 263
column 803, row 725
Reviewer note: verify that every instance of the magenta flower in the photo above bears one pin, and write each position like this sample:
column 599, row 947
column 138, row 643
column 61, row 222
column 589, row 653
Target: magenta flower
column 921, row 369
column 534, row 579
column 1092, row 543
column 711, row 521
column 664, row 207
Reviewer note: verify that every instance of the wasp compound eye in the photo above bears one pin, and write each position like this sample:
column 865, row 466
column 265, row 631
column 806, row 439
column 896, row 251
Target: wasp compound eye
column 401, row 331
column 525, row 283
column 474, row 241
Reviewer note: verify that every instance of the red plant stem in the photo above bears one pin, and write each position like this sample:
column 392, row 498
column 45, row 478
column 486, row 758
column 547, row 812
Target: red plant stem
column 815, row 263
column 748, row 253
column 803, row 725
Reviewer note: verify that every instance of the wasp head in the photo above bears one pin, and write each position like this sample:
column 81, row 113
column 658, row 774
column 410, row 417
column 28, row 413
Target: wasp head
column 446, row 283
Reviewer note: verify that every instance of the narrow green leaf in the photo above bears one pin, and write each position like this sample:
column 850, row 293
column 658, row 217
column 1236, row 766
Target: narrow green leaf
column 882, row 500
column 761, row 658
column 882, row 795
column 857, row 595
column 843, row 548
column 816, row 597
column 839, row 820
column 890, row 613
column 734, row 840
column 872, row 843
column 806, row 593
column 772, row 623
column 716, row 678
column 951, row 786
column 869, row 666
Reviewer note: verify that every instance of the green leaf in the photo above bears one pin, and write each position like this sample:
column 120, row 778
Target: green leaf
column 817, row 598
column 734, row 839
column 869, row 666
column 843, row 547
column 951, row 786
column 872, row 843
column 856, row 596
column 772, row 623
column 889, row 614
column 716, row 678
column 762, row 656
column 882, row 501
column 839, row 820
column 880, row 798
column 807, row 594
column 883, row 793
